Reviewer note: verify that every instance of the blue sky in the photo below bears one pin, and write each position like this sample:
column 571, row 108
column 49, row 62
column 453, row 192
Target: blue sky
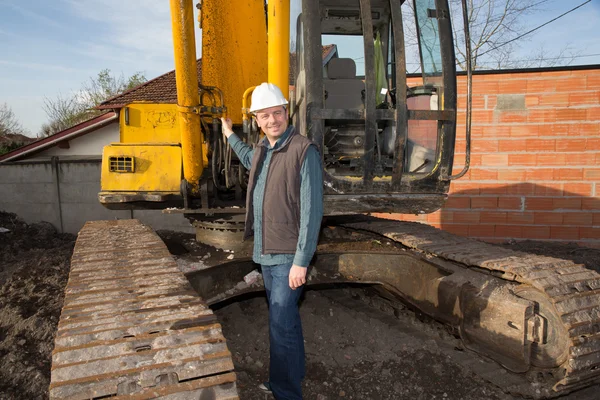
column 49, row 48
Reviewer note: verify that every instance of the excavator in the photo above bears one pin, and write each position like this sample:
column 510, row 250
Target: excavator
column 133, row 326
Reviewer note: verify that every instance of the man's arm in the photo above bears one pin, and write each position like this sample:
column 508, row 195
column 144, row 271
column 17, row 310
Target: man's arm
column 311, row 213
column 244, row 151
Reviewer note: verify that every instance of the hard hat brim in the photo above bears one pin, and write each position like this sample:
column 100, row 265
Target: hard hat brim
column 254, row 111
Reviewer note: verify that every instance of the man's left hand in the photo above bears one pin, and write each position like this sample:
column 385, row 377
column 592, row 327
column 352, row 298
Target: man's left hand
column 297, row 276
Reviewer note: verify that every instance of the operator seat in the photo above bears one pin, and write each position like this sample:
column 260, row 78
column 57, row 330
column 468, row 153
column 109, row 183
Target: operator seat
column 342, row 89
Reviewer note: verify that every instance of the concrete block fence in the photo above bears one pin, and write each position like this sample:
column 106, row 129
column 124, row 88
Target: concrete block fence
column 65, row 193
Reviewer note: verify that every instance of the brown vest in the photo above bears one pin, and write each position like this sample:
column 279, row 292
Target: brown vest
column 281, row 204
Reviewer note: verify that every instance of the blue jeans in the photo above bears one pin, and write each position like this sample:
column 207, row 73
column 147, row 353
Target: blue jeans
column 286, row 371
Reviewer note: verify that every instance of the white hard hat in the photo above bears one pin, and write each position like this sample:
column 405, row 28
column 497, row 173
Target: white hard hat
column 266, row 95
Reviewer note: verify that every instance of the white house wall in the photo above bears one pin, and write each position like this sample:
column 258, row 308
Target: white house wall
column 90, row 144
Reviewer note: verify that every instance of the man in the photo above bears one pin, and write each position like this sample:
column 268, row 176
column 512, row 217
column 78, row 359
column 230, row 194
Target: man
column 284, row 209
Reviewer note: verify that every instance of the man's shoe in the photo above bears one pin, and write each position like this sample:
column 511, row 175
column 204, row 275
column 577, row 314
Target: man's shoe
column 265, row 388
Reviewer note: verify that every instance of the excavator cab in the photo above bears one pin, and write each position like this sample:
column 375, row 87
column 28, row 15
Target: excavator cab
column 386, row 146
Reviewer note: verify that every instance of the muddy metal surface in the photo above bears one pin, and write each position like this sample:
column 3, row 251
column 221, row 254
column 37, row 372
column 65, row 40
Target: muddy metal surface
column 132, row 324
column 359, row 345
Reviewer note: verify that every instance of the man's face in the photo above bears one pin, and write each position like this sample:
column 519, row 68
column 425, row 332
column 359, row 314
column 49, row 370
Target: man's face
column 273, row 121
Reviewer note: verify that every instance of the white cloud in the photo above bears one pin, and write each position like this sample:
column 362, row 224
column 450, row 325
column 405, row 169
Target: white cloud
column 38, row 66
column 138, row 32
column 34, row 15
column 6, row 33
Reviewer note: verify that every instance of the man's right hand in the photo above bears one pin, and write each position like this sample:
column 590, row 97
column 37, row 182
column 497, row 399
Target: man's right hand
column 226, row 127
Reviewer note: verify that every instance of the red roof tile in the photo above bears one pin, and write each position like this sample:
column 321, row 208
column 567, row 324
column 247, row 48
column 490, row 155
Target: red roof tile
column 326, row 49
column 11, row 138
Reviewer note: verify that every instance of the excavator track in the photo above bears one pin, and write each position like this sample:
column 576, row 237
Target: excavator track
column 132, row 326
column 572, row 290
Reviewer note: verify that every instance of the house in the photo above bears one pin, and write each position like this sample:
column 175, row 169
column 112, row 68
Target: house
column 57, row 178
column 14, row 139
column 85, row 139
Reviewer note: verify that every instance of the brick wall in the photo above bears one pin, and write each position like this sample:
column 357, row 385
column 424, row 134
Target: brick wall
column 535, row 159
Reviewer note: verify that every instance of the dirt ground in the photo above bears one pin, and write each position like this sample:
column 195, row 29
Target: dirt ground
column 34, row 266
column 358, row 344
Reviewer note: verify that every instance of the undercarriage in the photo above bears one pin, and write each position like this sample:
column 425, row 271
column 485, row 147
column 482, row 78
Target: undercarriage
column 133, row 325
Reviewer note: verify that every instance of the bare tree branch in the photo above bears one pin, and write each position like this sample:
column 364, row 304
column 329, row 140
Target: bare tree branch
column 67, row 111
column 493, row 24
column 9, row 125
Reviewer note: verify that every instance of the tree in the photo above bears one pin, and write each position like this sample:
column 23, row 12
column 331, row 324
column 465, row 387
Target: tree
column 10, row 146
column 64, row 112
column 9, row 123
column 106, row 86
column 12, row 133
column 497, row 29
column 67, row 111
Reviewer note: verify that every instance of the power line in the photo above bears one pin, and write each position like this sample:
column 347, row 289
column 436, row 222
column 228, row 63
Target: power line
column 525, row 59
column 532, row 59
column 546, row 58
column 524, row 34
column 535, row 29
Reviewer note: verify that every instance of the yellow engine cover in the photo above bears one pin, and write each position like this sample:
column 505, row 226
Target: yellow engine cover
column 141, row 167
column 153, row 123
column 149, row 123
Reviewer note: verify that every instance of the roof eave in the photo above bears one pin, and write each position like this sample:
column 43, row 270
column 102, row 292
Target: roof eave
column 70, row 133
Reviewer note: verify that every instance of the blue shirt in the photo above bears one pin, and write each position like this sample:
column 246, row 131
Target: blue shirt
column 311, row 201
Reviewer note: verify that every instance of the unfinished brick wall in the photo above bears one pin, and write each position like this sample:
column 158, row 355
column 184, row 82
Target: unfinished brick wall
column 535, row 159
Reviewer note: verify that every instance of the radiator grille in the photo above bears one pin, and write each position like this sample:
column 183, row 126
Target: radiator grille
column 121, row 164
